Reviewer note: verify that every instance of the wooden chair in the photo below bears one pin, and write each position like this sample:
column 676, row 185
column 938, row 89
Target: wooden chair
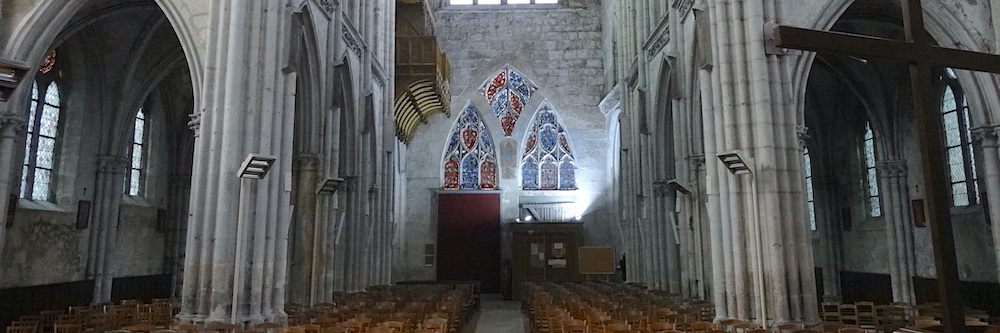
column 186, row 328
column 147, row 328
column 659, row 327
column 312, row 328
column 396, row 326
column 830, row 311
column 788, row 328
column 292, row 329
column 380, row 329
column 67, row 328
column 728, row 324
column 616, row 328
column 745, row 327
column 829, row 327
column 221, row 327
column 21, row 329
column 439, row 325
column 268, row 327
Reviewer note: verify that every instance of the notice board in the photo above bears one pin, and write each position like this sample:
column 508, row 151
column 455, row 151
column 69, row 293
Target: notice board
column 597, row 260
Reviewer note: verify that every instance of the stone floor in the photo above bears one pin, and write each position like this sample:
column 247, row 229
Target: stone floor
column 497, row 316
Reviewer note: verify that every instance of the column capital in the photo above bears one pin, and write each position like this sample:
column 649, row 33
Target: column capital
column 660, row 188
column 12, row 121
column 112, row 164
column 307, row 161
column 988, row 135
column 894, row 168
column 195, row 122
column 802, row 133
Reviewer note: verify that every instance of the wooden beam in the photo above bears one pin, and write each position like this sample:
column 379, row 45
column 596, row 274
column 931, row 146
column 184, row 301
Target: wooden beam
column 841, row 42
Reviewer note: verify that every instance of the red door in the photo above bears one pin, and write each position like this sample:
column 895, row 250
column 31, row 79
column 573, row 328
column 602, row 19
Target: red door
column 469, row 239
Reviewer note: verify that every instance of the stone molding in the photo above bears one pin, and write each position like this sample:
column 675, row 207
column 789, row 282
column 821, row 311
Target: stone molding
column 195, row 123
column 352, row 38
column 802, row 133
column 16, row 121
column 894, row 168
column 683, row 8
column 659, row 38
column 112, row 164
column 987, row 135
column 611, row 101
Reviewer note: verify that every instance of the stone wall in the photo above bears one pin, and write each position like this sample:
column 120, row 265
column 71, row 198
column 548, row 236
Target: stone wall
column 559, row 48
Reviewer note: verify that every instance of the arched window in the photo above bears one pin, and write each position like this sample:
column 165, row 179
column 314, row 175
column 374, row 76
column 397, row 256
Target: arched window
column 958, row 139
column 135, row 176
column 810, row 199
column 469, row 160
column 548, row 162
column 40, row 143
column 874, row 205
column 507, row 92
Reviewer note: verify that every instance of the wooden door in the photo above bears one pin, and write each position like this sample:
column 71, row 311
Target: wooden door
column 545, row 252
column 469, row 239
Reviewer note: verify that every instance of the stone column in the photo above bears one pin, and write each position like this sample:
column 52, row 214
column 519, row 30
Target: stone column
column 177, row 208
column 667, row 242
column 304, row 262
column 11, row 128
column 245, row 109
column 895, row 209
column 989, row 174
column 104, row 230
column 756, row 115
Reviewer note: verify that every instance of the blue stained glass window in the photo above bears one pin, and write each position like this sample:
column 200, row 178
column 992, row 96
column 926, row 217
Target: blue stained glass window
column 874, row 204
column 40, row 143
column 507, row 91
column 470, row 172
column 958, row 141
column 471, row 143
column 547, row 141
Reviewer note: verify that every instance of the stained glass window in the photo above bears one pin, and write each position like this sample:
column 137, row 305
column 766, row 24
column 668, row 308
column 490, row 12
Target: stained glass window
column 507, row 92
column 133, row 180
column 40, row 143
column 548, row 162
column 469, row 160
column 810, row 200
column 874, row 204
column 958, row 139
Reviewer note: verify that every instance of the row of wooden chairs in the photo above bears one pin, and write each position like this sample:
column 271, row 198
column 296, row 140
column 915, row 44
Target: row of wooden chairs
column 603, row 307
column 892, row 316
column 98, row 318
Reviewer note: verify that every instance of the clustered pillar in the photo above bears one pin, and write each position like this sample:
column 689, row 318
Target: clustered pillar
column 746, row 100
column 240, row 109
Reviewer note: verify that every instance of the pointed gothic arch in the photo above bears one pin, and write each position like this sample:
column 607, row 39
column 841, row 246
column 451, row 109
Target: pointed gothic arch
column 548, row 162
column 469, row 161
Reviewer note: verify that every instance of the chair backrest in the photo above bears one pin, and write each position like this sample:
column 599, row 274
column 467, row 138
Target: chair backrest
column 851, row 330
column 829, row 328
column 188, row 328
column 612, row 328
column 21, row 329
column 67, row 328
